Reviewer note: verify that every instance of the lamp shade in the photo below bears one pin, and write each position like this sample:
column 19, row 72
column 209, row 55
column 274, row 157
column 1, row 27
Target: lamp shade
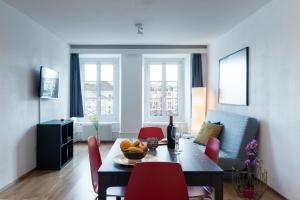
column 198, row 108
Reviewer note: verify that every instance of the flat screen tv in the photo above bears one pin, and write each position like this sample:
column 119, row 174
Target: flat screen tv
column 49, row 83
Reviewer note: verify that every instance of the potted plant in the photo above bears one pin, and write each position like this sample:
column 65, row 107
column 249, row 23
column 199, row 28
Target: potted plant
column 94, row 119
column 252, row 182
column 251, row 164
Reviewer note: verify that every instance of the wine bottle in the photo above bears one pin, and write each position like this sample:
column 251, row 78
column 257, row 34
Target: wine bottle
column 171, row 141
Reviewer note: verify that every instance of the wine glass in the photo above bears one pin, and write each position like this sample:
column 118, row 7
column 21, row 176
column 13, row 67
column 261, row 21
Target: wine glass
column 179, row 135
column 176, row 135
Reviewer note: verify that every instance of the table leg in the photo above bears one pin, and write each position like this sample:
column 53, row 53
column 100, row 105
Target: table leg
column 103, row 185
column 102, row 193
column 218, row 186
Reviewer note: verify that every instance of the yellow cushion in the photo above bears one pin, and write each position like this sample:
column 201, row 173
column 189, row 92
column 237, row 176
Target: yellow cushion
column 208, row 130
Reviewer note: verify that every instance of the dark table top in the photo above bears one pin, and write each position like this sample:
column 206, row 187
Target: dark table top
column 192, row 159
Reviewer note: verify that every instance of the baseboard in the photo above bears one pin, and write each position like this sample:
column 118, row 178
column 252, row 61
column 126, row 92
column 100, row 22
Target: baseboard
column 17, row 180
column 228, row 177
column 277, row 193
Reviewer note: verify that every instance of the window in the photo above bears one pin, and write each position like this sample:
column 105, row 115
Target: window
column 164, row 89
column 101, row 88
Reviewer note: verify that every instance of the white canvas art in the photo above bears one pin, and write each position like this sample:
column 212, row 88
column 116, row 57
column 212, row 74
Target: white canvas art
column 233, row 80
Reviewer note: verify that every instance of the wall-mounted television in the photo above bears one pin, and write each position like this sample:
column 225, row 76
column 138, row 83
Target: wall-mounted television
column 49, row 83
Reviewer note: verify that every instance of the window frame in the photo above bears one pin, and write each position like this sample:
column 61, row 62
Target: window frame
column 181, row 100
column 116, row 84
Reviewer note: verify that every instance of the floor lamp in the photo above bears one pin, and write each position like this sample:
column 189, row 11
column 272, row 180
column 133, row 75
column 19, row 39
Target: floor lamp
column 198, row 108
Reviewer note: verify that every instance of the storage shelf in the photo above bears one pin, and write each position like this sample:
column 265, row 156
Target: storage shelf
column 55, row 144
column 68, row 142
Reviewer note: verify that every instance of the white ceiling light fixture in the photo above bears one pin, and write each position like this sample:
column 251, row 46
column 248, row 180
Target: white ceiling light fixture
column 140, row 28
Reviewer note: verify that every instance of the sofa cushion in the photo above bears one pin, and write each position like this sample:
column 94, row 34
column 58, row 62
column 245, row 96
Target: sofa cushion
column 222, row 154
column 225, row 161
column 238, row 130
column 208, row 130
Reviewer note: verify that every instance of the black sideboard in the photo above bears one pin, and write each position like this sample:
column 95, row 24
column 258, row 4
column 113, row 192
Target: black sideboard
column 54, row 144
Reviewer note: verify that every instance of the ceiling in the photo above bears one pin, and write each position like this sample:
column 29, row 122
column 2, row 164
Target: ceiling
column 166, row 22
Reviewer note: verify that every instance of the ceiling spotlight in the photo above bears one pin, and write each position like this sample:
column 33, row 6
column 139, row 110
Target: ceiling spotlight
column 139, row 28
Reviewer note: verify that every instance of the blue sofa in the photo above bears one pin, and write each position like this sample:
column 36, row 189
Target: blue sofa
column 238, row 131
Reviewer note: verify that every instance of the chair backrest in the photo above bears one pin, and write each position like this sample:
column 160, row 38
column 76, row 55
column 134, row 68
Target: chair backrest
column 95, row 160
column 212, row 149
column 147, row 132
column 157, row 180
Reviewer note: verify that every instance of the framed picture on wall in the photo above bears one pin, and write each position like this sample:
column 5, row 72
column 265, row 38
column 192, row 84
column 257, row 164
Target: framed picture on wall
column 233, row 78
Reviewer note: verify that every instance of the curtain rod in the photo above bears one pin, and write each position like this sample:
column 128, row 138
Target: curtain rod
column 138, row 46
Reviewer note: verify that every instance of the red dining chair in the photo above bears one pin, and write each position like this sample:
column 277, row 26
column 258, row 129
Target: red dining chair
column 212, row 151
column 95, row 163
column 157, row 181
column 147, row 132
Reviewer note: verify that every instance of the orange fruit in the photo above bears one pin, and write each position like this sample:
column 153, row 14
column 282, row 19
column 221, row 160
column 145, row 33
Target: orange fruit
column 125, row 144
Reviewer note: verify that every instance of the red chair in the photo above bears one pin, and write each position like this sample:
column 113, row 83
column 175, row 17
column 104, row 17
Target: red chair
column 95, row 163
column 157, row 181
column 212, row 151
column 147, row 132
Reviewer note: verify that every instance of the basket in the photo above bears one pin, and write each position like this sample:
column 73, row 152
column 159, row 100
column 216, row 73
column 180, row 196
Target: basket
column 253, row 189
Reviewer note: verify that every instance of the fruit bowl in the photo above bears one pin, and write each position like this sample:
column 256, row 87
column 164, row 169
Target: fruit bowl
column 134, row 156
column 133, row 150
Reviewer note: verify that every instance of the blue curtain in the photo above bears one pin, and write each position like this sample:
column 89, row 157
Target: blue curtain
column 197, row 79
column 76, row 106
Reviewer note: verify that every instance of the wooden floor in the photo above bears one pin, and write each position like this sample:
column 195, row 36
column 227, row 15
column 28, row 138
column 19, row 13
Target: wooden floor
column 74, row 182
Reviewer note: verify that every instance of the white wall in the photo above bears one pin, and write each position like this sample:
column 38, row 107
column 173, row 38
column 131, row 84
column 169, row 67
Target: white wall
column 24, row 47
column 131, row 93
column 272, row 34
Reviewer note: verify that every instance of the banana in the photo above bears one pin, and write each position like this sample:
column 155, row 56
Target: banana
column 134, row 150
column 135, row 143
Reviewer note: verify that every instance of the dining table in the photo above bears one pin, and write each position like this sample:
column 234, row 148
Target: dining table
column 198, row 168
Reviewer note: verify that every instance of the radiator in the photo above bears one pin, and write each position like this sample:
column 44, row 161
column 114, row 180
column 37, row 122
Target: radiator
column 107, row 131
